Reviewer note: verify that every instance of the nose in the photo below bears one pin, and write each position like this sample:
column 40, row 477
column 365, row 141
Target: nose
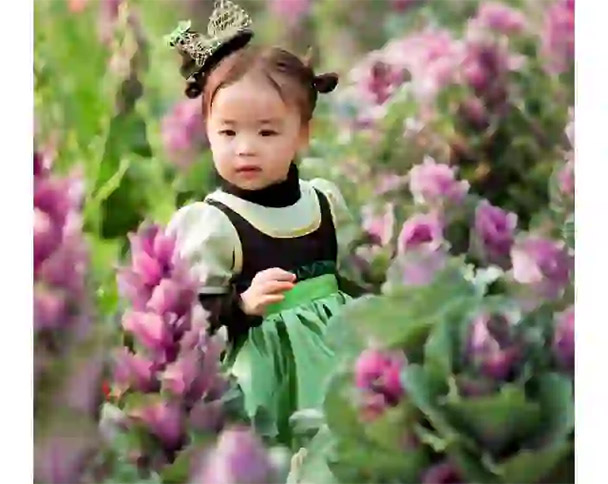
column 245, row 146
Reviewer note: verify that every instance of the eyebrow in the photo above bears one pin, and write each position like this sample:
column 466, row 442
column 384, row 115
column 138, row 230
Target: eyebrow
column 261, row 121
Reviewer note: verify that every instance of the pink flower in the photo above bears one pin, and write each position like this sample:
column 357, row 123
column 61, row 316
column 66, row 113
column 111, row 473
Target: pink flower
column 490, row 346
column 238, row 458
column 378, row 375
column 565, row 179
column 444, row 472
column 379, row 226
column 563, row 342
column 179, row 375
column 390, row 182
column 435, row 184
column 163, row 420
column 183, row 132
column 50, row 308
column 485, row 67
column 544, row 265
column 419, row 267
column 431, row 57
column 290, row 10
column 501, row 18
column 421, row 231
column 171, row 296
column 134, row 370
column 558, row 36
column 149, row 329
column 494, row 232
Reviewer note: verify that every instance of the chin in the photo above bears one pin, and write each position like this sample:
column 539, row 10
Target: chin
column 252, row 184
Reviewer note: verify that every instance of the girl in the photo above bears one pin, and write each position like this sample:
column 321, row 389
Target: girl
column 263, row 246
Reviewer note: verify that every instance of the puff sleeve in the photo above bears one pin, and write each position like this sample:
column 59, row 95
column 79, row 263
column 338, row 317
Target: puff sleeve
column 209, row 243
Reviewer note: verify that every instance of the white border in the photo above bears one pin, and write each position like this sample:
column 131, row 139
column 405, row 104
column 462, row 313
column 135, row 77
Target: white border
column 591, row 170
column 16, row 91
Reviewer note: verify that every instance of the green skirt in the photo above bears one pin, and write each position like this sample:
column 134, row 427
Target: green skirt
column 282, row 366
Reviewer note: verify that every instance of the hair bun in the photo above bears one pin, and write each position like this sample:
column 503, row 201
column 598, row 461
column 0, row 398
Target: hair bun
column 326, row 82
column 193, row 89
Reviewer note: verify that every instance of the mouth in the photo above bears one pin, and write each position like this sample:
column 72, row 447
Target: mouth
column 248, row 170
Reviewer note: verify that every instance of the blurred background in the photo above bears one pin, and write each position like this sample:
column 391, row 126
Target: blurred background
column 486, row 87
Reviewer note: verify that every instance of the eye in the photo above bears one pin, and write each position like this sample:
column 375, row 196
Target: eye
column 268, row 132
column 227, row 132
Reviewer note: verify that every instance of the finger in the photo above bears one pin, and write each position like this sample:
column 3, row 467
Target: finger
column 271, row 298
column 271, row 287
column 277, row 274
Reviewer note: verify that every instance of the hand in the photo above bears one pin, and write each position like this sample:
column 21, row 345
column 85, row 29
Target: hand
column 266, row 288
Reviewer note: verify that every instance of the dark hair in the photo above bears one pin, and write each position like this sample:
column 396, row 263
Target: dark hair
column 292, row 77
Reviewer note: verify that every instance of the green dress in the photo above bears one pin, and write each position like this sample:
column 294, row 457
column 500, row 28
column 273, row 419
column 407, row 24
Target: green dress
column 281, row 365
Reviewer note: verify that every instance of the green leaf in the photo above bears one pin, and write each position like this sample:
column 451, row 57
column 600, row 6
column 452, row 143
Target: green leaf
column 127, row 134
column 380, row 464
column 423, row 391
column 438, row 350
column 340, row 414
column 498, row 420
column 303, row 421
column 315, row 466
column 529, row 466
column 389, row 429
column 179, row 470
column 470, row 465
column 556, row 397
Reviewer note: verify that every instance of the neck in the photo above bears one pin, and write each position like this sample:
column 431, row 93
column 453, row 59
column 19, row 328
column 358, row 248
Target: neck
column 280, row 194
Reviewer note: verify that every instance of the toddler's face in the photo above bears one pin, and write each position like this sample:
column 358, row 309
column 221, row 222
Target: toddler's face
column 253, row 133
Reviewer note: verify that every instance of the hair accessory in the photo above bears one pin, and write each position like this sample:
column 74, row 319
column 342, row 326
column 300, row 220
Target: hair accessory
column 229, row 29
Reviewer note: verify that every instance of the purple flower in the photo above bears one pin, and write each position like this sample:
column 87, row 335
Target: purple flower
column 379, row 225
column 134, row 370
column 179, row 375
column 421, row 253
column 60, row 256
column 565, row 179
column 421, row 231
column 163, row 420
column 149, row 329
column 543, row 265
column 50, row 308
column 442, row 473
column 563, row 342
column 390, row 182
column 171, row 296
column 498, row 17
column 494, row 232
column 435, row 184
column 378, row 375
column 431, row 57
column 47, row 236
column 238, row 458
column 491, row 347
column 183, row 132
column 419, row 267
column 558, row 36
column 61, row 316
column 156, row 280
column 61, row 454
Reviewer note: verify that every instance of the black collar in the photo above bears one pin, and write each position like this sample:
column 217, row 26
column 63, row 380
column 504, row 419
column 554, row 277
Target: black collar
column 281, row 194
